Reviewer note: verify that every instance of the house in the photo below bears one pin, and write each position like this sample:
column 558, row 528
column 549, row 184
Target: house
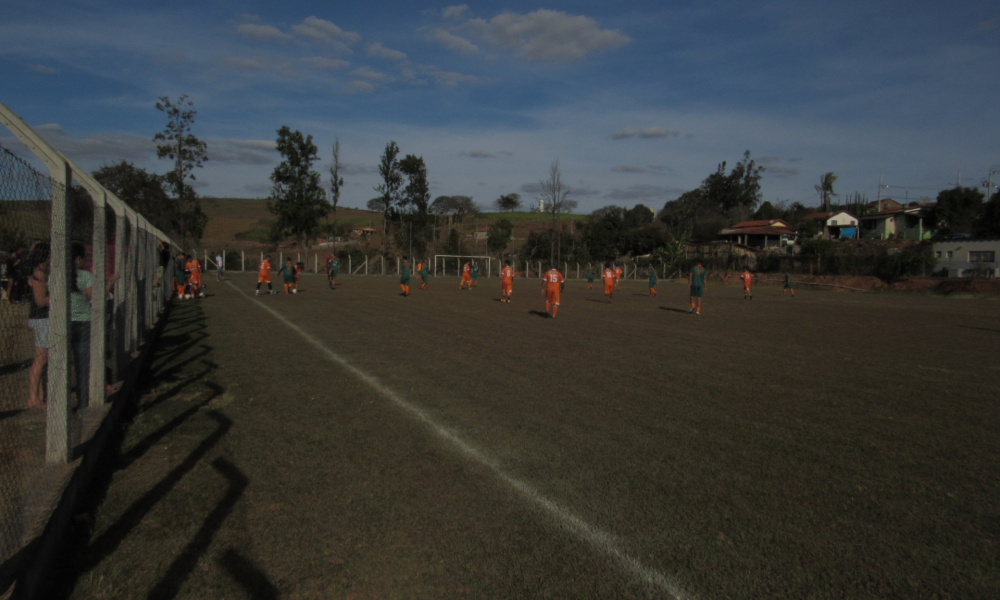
column 968, row 257
column 363, row 231
column 896, row 221
column 775, row 233
column 836, row 225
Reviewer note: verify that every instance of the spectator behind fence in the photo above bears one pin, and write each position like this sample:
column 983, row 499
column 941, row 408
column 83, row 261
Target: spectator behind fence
column 80, row 297
column 38, row 262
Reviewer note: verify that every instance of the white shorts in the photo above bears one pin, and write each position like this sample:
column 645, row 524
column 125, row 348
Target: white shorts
column 41, row 329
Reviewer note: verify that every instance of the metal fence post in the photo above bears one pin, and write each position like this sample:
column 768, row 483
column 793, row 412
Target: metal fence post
column 57, row 415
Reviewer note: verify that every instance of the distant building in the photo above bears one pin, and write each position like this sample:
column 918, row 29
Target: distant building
column 968, row 258
column 895, row 221
column 775, row 233
column 363, row 231
column 837, row 225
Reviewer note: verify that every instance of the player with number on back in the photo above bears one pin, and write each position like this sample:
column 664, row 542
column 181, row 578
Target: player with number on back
column 609, row 282
column 747, row 279
column 264, row 275
column 506, row 282
column 553, row 284
column 466, row 276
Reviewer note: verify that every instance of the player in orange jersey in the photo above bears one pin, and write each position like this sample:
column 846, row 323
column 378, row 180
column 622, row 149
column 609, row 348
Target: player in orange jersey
column 193, row 267
column 506, row 282
column 466, row 276
column 747, row 278
column 618, row 277
column 299, row 268
column 264, row 275
column 609, row 281
column 553, row 283
column 422, row 274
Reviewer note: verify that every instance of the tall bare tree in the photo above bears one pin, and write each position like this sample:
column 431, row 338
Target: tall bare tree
column 392, row 181
column 554, row 199
column 336, row 181
column 187, row 152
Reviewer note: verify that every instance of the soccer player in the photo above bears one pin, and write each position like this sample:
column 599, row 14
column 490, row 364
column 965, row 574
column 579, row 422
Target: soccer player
column 287, row 272
column 299, row 267
column 404, row 277
column 475, row 275
column 180, row 276
column 422, row 272
column 696, row 287
column 618, row 277
column 590, row 278
column 219, row 273
column 506, row 282
column 193, row 268
column 609, row 282
column 466, row 276
column 552, row 284
column 747, row 278
column 264, row 275
column 789, row 286
column 329, row 270
column 652, row 282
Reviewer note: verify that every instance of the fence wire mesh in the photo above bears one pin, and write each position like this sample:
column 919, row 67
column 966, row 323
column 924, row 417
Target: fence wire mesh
column 78, row 295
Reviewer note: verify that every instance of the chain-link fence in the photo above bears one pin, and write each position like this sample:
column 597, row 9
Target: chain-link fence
column 80, row 293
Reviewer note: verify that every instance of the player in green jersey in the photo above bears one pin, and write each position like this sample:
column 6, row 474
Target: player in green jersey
column 696, row 287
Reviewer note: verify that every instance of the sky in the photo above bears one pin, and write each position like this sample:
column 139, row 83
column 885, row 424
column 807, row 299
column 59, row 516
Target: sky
column 638, row 101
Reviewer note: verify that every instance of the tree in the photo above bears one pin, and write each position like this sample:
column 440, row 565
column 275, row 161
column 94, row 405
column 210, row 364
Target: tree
column 392, row 180
column 825, row 189
column 414, row 203
column 141, row 190
column 336, row 181
column 768, row 212
column 637, row 216
column 187, row 152
column 554, row 199
column 296, row 196
column 507, row 203
column 740, row 188
column 457, row 206
column 988, row 223
column 498, row 236
column 956, row 210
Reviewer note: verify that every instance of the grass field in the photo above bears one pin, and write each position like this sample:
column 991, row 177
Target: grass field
column 359, row 444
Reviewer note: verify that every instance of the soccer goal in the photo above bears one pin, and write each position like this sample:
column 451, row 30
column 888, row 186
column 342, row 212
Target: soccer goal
column 451, row 264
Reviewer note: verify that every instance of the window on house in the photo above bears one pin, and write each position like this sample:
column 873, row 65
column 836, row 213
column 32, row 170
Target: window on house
column 950, row 253
column 982, row 256
column 937, row 254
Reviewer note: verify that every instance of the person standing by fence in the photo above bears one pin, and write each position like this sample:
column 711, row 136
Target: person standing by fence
column 80, row 297
column 219, row 271
column 38, row 262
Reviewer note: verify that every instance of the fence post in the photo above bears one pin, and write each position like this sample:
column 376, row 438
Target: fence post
column 315, row 263
column 349, row 265
column 58, row 414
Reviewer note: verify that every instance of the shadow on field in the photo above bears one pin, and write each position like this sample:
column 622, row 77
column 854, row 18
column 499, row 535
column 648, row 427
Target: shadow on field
column 539, row 313
column 980, row 328
column 171, row 582
column 672, row 309
column 253, row 581
column 596, row 300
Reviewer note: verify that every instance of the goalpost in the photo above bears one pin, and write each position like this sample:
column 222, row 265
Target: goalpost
column 451, row 264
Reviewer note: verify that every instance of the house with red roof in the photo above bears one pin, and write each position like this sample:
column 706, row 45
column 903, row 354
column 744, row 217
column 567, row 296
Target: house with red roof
column 775, row 233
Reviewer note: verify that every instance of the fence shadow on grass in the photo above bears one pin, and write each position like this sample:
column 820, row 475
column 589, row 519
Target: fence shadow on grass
column 253, row 581
column 171, row 582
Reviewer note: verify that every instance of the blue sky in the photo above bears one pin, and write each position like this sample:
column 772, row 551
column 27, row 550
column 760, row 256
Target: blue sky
column 639, row 101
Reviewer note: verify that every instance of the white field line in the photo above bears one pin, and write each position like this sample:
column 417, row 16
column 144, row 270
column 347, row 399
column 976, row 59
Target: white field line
column 600, row 540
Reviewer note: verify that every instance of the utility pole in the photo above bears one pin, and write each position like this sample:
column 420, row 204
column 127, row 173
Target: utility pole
column 879, row 192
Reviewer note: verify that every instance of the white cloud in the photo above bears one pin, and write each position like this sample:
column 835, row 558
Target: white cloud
column 455, row 12
column 548, row 35
column 648, row 133
column 42, row 69
column 259, row 64
column 325, row 31
column 377, row 50
column 447, row 78
column 989, row 24
column 370, row 75
column 243, row 152
column 361, row 86
column 352, row 169
column 644, row 192
column 321, row 62
column 455, row 43
column 261, row 32
column 100, row 147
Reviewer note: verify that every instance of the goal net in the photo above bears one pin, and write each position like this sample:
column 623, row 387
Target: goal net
column 451, row 264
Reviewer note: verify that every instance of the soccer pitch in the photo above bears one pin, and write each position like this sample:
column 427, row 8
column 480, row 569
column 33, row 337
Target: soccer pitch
column 830, row 445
